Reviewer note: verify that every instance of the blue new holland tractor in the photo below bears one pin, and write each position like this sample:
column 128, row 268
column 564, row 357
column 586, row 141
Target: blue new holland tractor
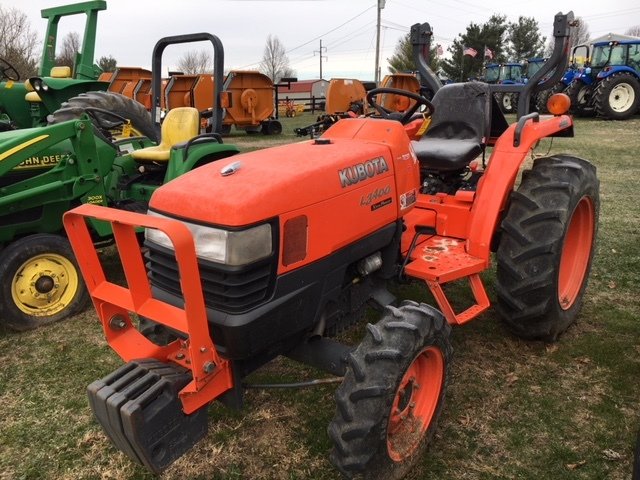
column 609, row 85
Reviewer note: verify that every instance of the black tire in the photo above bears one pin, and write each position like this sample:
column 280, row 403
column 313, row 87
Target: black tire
column 29, row 294
column 373, row 394
column 581, row 96
column 545, row 253
column 617, row 97
column 114, row 102
column 272, row 127
column 508, row 101
column 543, row 96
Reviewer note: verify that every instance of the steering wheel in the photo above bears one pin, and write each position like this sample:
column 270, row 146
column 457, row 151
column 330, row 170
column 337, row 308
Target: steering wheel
column 406, row 116
column 6, row 68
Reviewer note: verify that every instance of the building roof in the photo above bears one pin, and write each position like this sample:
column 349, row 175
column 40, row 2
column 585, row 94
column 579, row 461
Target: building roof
column 300, row 86
column 613, row 37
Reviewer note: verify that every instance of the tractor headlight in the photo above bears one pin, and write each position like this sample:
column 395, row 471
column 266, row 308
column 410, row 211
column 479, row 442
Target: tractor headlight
column 230, row 247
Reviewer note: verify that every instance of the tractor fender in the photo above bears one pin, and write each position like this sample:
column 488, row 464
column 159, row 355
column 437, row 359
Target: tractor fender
column 618, row 69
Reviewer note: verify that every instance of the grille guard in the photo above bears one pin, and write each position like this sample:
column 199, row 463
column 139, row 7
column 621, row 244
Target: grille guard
column 114, row 304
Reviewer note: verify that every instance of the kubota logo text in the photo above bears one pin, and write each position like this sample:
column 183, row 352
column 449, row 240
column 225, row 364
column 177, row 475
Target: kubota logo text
column 361, row 171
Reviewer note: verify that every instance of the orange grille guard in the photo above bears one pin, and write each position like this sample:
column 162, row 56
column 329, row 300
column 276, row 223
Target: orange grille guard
column 211, row 374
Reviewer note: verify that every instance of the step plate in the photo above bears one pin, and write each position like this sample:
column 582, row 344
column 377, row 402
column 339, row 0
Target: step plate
column 442, row 259
column 139, row 409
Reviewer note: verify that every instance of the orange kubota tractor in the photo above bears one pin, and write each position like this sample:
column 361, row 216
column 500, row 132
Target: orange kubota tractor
column 239, row 270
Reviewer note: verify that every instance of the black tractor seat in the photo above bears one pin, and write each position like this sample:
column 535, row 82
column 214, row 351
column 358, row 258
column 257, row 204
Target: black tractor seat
column 459, row 127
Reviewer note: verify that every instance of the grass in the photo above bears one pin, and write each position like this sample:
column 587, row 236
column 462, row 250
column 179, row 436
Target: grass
column 514, row 409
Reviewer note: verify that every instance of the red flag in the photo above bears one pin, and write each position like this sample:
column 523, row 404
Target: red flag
column 488, row 53
column 469, row 51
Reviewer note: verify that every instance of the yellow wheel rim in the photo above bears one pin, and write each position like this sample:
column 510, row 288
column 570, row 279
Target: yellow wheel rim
column 45, row 285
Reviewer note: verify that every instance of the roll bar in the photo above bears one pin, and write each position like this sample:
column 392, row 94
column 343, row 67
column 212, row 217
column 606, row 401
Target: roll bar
column 558, row 62
column 218, row 70
column 421, row 34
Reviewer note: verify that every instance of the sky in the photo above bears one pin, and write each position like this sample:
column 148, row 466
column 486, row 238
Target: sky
column 129, row 29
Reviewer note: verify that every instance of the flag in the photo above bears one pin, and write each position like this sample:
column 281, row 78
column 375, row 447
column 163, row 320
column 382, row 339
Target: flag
column 439, row 50
column 488, row 53
column 469, row 51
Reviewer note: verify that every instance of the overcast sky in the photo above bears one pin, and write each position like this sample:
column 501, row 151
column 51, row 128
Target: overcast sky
column 128, row 29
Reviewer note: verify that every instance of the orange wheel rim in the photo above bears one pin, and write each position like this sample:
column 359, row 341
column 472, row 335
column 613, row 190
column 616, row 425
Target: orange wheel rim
column 576, row 252
column 415, row 403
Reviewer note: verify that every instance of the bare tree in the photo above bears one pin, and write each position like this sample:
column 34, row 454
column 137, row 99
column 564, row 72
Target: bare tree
column 17, row 42
column 107, row 64
column 275, row 63
column 633, row 31
column 194, row 62
column 68, row 50
column 579, row 35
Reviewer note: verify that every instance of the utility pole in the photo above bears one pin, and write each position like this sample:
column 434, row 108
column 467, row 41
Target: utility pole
column 321, row 56
column 377, row 73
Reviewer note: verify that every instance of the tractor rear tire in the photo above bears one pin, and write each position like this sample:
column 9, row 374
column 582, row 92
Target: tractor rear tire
column 547, row 246
column 581, row 96
column 617, row 97
column 392, row 394
column 113, row 102
column 40, row 282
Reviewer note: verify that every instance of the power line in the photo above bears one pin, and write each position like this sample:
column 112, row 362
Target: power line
column 330, row 31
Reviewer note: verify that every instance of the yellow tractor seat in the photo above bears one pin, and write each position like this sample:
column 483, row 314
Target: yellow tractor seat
column 60, row 72
column 180, row 125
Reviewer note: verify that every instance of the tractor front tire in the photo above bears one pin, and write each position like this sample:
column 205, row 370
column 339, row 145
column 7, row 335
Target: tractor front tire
column 40, row 282
column 581, row 95
column 546, row 247
column 392, row 394
column 126, row 107
column 508, row 101
column 617, row 96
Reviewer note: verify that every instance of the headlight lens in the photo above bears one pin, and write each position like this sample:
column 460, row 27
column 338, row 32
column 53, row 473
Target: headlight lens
column 234, row 248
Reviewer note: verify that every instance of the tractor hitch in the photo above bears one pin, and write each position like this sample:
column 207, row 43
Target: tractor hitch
column 139, row 409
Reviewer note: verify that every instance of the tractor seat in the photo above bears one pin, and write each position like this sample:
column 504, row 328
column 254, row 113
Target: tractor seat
column 180, row 125
column 60, row 72
column 458, row 128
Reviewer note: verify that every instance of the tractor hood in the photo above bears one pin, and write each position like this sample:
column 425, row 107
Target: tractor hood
column 354, row 158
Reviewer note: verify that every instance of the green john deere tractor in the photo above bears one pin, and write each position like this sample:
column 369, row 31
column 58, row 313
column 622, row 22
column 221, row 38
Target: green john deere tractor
column 86, row 154
column 26, row 103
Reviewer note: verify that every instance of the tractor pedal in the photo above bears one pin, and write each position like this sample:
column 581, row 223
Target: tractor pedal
column 139, row 409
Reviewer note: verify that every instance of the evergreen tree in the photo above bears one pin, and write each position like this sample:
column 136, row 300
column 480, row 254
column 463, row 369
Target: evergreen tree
column 489, row 35
column 525, row 40
column 402, row 59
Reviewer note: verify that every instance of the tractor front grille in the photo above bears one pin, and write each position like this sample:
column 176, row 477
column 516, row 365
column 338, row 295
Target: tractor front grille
column 228, row 289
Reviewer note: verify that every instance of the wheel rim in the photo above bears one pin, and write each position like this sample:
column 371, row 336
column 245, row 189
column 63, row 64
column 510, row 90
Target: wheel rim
column 576, row 252
column 44, row 285
column 621, row 97
column 415, row 403
column 506, row 102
